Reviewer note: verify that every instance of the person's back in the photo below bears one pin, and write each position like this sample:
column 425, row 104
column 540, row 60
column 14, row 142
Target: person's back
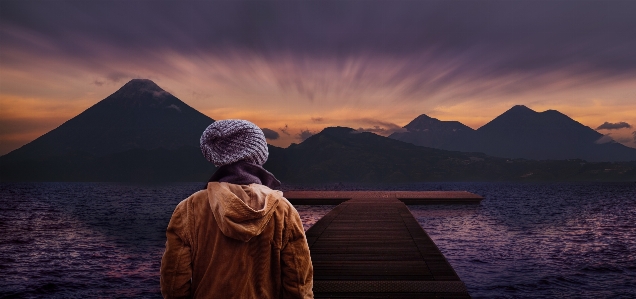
column 236, row 239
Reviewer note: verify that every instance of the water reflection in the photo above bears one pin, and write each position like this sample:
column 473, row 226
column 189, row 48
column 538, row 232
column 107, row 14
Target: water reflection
column 61, row 240
column 541, row 240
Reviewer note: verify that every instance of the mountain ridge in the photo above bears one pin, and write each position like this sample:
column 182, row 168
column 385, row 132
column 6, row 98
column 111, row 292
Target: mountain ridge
column 137, row 135
column 521, row 132
column 432, row 132
column 138, row 115
column 343, row 154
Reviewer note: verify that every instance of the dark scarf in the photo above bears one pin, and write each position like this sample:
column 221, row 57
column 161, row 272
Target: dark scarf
column 244, row 173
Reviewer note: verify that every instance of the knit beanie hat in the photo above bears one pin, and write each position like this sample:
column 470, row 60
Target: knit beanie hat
column 231, row 140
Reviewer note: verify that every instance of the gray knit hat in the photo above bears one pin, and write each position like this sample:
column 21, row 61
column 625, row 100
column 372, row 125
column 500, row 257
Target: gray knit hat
column 231, row 140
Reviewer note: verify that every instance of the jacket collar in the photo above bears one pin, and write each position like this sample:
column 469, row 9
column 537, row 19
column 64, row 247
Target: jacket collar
column 244, row 173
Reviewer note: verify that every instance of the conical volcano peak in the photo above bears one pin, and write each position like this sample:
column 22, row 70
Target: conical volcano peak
column 425, row 123
column 421, row 122
column 423, row 117
column 141, row 93
column 138, row 116
column 137, row 85
column 141, row 83
column 520, row 109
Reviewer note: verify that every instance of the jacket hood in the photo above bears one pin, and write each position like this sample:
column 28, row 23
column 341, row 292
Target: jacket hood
column 242, row 211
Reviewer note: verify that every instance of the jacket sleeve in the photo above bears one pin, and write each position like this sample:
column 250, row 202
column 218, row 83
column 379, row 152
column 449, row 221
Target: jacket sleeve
column 297, row 270
column 176, row 269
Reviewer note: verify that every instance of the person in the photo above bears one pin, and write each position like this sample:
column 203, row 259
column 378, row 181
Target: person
column 238, row 238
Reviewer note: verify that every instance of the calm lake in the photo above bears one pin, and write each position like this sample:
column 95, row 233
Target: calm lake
column 105, row 240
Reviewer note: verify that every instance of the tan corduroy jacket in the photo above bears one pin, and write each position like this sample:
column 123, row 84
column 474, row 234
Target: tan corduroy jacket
column 236, row 241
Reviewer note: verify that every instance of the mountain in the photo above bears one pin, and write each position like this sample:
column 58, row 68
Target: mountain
column 139, row 120
column 140, row 115
column 346, row 155
column 141, row 133
column 431, row 132
column 524, row 133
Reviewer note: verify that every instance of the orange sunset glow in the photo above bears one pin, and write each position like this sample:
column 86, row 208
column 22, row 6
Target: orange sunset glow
column 371, row 67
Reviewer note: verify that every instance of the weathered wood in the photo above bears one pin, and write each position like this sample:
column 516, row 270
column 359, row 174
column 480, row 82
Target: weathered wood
column 374, row 248
column 408, row 197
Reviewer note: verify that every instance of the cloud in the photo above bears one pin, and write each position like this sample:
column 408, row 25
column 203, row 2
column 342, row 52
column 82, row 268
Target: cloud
column 380, row 127
column 116, row 77
column 317, row 119
column 587, row 41
column 623, row 139
column 613, row 126
column 604, row 139
column 375, row 129
column 304, row 134
column 160, row 93
column 376, row 26
column 270, row 134
column 98, row 83
column 284, row 130
column 175, row 107
column 634, row 134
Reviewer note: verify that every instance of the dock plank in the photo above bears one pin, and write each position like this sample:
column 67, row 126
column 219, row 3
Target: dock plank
column 407, row 197
column 372, row 247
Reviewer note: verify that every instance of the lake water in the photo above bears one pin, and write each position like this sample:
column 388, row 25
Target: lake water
column 105, row 240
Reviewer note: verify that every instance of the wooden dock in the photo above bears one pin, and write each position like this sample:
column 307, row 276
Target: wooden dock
column 407, row 197
column 372, row 247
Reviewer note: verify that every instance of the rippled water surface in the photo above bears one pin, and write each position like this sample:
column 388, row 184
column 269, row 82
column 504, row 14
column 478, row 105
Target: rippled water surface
column 540, row 241
column 101, row 240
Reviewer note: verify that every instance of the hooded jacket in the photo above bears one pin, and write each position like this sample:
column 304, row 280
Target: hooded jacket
column 236, row 241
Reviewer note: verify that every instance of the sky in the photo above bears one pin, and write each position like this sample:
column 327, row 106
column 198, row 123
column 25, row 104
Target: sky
column 296, row 67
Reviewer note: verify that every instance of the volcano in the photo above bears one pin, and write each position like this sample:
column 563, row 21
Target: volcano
column 519, row 133
column 140, row 115
column 432, row 132
column 137, row 122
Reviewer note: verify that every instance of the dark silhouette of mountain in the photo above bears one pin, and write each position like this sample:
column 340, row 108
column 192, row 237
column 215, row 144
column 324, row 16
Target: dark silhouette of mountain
column 140, row 115
column 524, row 133
column 333, row 155
column 345, row 155
column 431, row 132
column 114, row 137
column 142, row 133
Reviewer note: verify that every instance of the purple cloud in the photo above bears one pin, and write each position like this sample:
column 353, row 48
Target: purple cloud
column 380, row 127
column 304, row 134
column 604, row 139
column 483, row 36
column 284, row 130
column 270, row 134
column 613, row 126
